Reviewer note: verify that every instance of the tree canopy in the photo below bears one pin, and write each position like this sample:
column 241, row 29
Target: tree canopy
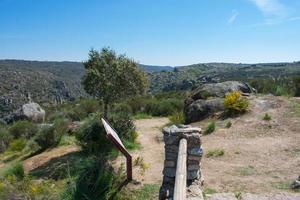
column 111, row 77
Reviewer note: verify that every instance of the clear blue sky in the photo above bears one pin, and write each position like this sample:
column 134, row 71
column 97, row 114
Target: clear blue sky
column 161, row 32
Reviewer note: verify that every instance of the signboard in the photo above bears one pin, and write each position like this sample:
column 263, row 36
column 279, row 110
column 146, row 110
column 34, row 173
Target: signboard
column 113, row 136
column 110, row 131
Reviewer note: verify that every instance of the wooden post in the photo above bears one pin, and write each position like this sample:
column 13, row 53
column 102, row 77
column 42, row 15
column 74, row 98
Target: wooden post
column 180, row 179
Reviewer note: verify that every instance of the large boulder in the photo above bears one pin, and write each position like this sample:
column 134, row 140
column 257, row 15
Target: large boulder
column 201, row 109
column 30, row 111
column 206, row 91
column 208, row 99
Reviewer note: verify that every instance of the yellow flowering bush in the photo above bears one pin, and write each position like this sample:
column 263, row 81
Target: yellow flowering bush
column 235, row 103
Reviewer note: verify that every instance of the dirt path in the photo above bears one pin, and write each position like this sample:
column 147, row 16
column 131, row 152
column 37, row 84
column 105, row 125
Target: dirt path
column 40, row 159
column 260, row 156
column 150, row 138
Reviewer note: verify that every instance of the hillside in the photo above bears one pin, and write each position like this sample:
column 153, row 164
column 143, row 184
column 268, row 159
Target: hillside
column 45, row 82
column 50, row 82
column 186, row 77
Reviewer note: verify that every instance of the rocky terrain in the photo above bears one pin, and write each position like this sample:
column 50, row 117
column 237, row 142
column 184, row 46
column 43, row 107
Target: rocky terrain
column 55, row 82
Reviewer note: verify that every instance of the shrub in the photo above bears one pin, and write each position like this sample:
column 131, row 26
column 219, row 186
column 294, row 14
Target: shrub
column 267, row 117
column 177, row 118
column 50, row 136
column 24, row 129
column 16, row 169
column 228, row 124
column 92, row 135
column 17, row 145
column 215, row 153
column 210, row 128
column 234, row 103
column 5, row 138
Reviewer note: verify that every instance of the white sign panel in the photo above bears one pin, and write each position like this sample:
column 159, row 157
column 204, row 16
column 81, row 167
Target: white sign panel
column 112, row 132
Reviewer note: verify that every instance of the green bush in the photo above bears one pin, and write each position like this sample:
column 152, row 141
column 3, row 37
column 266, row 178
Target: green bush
column 92, row 135
column 210, row 128
column 50, row 136
column 24, row 129
column 17, row 145
column 5, row 138
column 16, row 169
column 95, row 179
column 177, row 118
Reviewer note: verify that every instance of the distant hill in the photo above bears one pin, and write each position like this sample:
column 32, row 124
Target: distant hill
column 153, row 68
column 187, row 77
column 50, row 82
column 44, row 81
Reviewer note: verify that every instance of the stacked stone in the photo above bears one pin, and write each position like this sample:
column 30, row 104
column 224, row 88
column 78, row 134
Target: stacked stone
column 172, row 137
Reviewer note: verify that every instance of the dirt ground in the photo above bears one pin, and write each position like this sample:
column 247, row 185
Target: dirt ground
column 152, row 151
column 41, row 159
column 260, row 156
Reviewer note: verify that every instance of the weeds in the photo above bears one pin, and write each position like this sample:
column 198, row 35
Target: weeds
column 215, row 153
column 267, row 117
column 210, row 128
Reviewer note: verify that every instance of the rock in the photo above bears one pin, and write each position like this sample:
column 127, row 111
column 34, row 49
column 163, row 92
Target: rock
column 30, row 111
column 296, row 184
column 208, row 99
column 219, row 89
column 33, row 112
column 202, row 109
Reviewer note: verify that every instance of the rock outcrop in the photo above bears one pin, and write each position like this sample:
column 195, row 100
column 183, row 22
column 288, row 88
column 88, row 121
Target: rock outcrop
column 30, row 111
column 208, row 99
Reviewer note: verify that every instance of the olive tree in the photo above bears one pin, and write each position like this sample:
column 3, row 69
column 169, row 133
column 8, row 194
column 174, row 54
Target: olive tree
column 110, row 77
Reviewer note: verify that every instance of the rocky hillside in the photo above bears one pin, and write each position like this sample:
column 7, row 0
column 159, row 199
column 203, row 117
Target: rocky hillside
column 187, row 77
column 52, row 82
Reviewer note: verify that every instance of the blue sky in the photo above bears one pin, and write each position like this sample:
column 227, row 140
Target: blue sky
column 160, row 32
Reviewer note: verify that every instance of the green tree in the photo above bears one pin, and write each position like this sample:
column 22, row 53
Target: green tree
column 110, row 77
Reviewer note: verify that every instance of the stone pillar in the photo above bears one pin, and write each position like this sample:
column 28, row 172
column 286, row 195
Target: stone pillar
column 172, row 136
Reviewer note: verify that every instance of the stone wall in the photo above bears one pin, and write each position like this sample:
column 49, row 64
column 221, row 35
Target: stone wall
column 172, row 136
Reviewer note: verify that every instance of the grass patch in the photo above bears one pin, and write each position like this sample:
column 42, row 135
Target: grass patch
column 67, row 140
column 141, row 116
column 228, row 124
column 211, row 127
column 267, row 117
column 246, row 171
column 177, row 118
column 215, row 153
column 295, row 105
column 207, row 191
column 16, row 169
column 148, row 191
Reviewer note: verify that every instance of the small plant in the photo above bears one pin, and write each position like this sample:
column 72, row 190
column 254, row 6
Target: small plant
column 228, row 124
column 177, row 118
column 208, row 191
column 234, row 103
column 210, row 128
column 267, row 117
column 139, row 162
column 15, row 170
column 215, row 153
column 17, row 145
